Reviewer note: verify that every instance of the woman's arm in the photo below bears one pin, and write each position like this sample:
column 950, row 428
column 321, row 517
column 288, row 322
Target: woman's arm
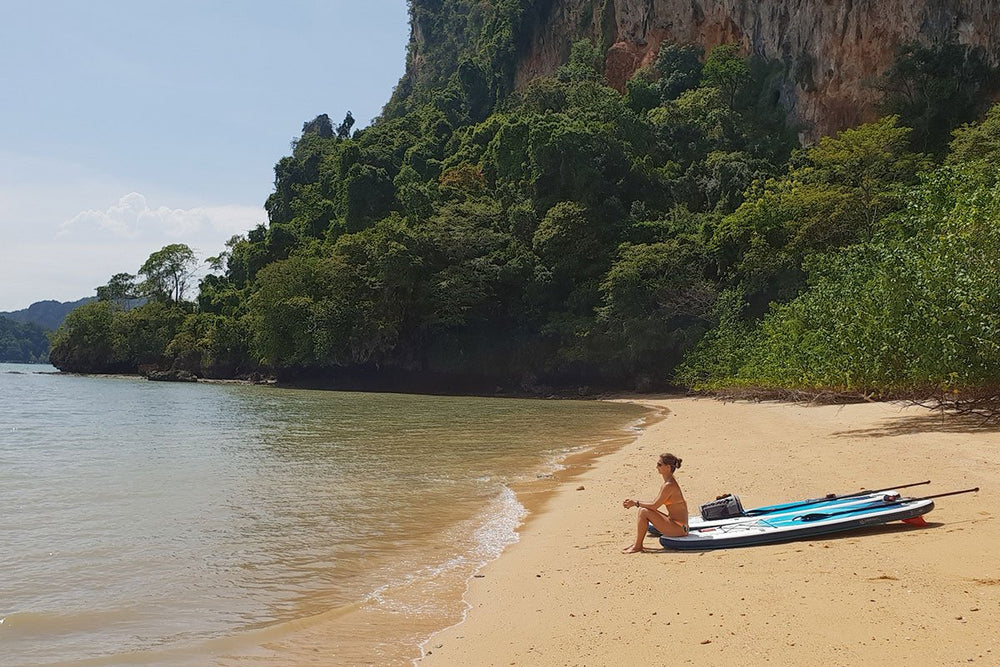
column 665, row 492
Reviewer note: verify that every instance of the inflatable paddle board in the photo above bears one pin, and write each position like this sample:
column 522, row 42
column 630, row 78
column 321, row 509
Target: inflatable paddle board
column 794, row 521
column 795, row 507
column 798, row 507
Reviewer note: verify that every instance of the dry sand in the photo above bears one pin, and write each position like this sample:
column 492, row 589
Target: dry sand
column 565, row 595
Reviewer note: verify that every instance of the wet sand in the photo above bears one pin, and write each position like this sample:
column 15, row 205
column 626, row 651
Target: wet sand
column 896, row 594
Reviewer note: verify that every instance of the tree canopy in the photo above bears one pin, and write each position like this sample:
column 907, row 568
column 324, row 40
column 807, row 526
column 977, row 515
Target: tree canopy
column 167, row 272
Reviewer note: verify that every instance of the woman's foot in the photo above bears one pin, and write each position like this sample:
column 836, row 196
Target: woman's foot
column 632, row 550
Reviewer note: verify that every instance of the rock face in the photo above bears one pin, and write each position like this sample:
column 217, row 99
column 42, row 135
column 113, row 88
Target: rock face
column 171, row 376
column 833, row 51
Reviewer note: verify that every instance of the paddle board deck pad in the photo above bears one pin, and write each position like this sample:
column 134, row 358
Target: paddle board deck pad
column 799, row 523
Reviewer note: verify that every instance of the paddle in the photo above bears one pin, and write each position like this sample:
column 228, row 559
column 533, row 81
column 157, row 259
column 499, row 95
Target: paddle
column 864, row 508
column 817, row 501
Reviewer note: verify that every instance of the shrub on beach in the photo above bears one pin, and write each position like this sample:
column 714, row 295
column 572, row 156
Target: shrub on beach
column 915, row 310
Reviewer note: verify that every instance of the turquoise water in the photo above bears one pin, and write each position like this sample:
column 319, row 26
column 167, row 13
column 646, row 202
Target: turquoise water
column 189, row 523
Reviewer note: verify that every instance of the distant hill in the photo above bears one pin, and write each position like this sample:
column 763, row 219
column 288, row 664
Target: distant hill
column 46, row 314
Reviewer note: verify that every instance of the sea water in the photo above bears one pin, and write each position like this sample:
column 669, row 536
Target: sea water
column 175, row 523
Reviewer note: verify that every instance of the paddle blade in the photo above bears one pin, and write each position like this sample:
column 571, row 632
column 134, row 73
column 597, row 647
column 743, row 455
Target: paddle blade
column 915, row 521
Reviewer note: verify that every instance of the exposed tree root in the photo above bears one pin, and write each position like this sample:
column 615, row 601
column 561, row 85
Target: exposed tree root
column 980, row 402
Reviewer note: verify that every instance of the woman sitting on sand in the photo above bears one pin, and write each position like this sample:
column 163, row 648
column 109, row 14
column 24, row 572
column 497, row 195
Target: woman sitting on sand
column 674, row 522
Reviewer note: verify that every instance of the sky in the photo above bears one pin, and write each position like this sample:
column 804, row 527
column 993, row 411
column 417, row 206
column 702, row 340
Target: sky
column 126, row 126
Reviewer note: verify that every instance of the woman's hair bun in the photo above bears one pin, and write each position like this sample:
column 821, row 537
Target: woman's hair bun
column 670, row 460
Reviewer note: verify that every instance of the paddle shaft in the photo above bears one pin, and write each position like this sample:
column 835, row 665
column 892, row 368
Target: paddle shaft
column 818, row 501
column 826, row 515
column 950, row 493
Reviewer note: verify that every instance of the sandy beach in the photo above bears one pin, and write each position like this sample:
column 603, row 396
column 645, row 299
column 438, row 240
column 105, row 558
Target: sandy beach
column 566, row 595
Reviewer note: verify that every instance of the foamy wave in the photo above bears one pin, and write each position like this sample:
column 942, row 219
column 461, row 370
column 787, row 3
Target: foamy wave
column 485, row 536
column 556, row 460
column 495, row 533
column 500, row 530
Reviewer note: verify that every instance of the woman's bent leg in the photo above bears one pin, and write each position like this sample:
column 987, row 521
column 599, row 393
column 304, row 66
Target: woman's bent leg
column 661, row 521
column 640, row 534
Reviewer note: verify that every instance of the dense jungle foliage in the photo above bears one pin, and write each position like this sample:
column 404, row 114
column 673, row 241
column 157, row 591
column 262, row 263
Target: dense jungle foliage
column 569, row 235
column 910, row 307
column 22, row 342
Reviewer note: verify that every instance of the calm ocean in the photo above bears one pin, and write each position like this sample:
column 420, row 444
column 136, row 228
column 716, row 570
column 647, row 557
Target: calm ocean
column 162, row 523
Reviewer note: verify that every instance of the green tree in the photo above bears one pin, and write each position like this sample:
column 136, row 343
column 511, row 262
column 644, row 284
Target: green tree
column 218, row 294
column 22, row 342
column 680, row 69
column 642, row 93
column 367, row 313
column 86, row 341
column 349, row 305
column 282, row 311
column 543, row 94
column 344, row 129
column 935, row 88
column 370, row 195
column 572, row 242
column 141, row 335
column 586, row 63
column 120, row 289
column 977, row 141
column 571, row 159
column 726, row 70
column 835, row 194
column 210, row 345
column 247, row 256
column 656, row 303
column 167, row 272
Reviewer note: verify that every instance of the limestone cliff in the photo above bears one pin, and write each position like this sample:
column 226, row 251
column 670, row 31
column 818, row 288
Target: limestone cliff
column 833, row 51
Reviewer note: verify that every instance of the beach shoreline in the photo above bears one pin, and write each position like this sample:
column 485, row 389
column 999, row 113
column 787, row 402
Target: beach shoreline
column 564, row 594
column 387, row 625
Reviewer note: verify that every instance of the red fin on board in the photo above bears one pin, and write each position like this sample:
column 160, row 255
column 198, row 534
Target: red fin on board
column 915, row 521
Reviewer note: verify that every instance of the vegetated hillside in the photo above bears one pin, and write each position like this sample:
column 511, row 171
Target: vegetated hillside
column 563, row 233
column 23, row 332
column 46, row 314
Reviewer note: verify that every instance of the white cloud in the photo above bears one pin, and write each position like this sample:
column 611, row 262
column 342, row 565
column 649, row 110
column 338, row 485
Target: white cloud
column 45, row 259
column 133, row 218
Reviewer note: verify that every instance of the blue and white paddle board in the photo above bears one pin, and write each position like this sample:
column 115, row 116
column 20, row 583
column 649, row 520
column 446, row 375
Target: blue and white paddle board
column 792, row 521
column 799, row 507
